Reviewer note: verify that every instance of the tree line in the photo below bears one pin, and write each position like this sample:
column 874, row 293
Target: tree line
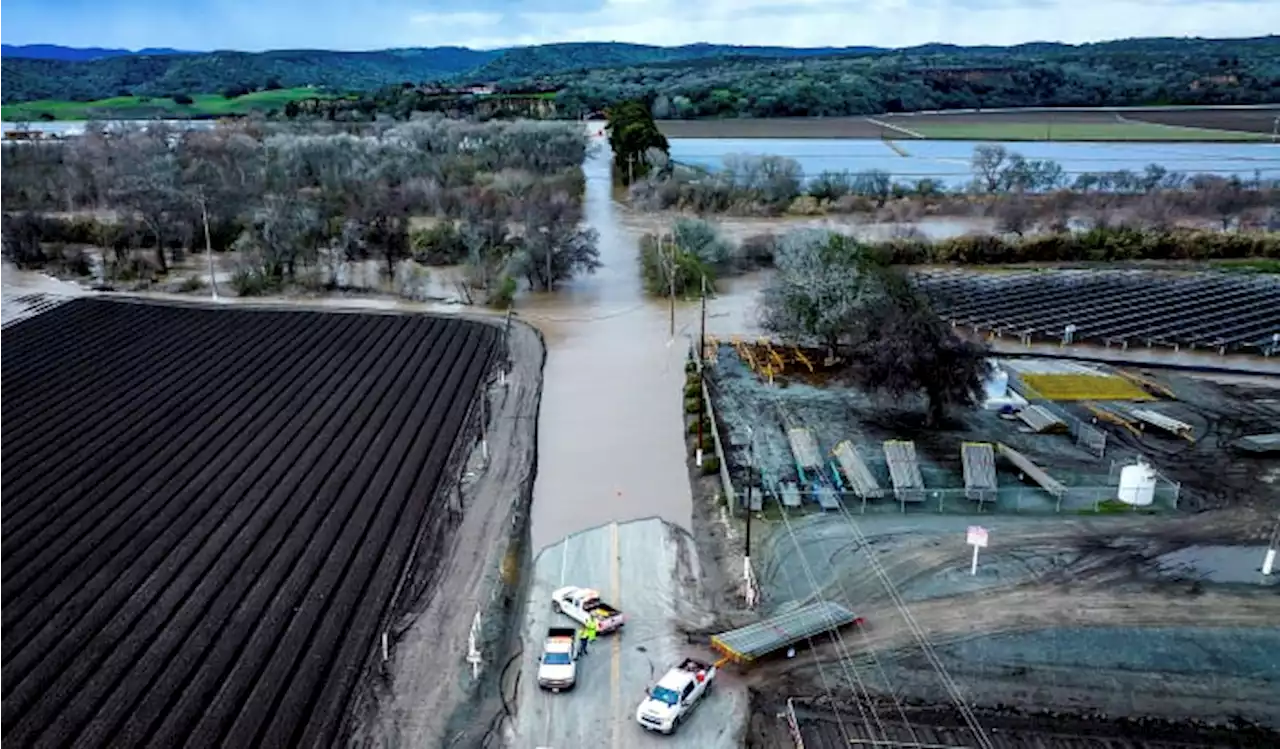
column 710, row 81
column 1125, row 73
column 503, row 200
column 1019, row 190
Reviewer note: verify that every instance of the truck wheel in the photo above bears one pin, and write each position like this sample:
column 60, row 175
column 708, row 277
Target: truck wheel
column 555, row 606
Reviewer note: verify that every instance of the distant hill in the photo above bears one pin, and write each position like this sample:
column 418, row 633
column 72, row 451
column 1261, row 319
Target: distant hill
column 546, row 59
column 701, row 80
column 78, row 54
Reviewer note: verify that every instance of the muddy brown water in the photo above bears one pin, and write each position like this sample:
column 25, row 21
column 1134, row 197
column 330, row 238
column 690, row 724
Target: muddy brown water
column 609, row 446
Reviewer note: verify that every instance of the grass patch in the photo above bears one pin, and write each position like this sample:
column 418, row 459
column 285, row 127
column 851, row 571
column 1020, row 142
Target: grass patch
column 1073, row 131
column 1249, row 265
column 142, row 107
column 1116, row 507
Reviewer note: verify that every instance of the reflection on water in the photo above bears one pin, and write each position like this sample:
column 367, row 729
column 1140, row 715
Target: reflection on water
column 949, row 161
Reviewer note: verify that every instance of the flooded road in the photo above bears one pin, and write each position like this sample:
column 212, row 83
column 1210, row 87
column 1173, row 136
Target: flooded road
column 609, row 446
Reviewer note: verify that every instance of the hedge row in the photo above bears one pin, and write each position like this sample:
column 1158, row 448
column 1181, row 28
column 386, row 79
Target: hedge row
column 1101, row 244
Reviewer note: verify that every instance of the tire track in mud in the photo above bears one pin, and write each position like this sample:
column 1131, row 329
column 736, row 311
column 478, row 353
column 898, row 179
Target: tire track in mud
column 199, row 548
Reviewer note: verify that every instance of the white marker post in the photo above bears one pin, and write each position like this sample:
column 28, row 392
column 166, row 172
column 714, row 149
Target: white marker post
column 1269, row 562
column 977, row 538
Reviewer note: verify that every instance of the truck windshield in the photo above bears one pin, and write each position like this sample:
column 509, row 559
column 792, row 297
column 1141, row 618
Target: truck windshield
column 556, row 659
column 662, row 694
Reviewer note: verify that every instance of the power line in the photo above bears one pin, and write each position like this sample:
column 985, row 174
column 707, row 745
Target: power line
column 837, row 640
column 921, row 637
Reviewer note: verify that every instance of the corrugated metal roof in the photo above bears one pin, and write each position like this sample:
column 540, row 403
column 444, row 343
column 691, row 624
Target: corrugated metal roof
column 777, row 632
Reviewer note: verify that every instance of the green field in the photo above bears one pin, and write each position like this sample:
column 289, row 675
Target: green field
column 1069, row 131
column 142, row 107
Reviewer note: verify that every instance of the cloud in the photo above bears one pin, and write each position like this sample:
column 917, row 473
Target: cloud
column 461, row 19
column 340, row 24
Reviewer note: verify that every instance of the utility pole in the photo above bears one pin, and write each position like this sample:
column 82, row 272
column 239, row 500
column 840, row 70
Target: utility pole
column 208, row 245
column 702, row 344
column 549, row 276
column 702, row 333
column 671, row 277
column 751, row 470
column 1269, row 561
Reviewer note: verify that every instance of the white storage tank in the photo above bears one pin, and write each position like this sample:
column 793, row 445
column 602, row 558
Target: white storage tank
column 997, row 384
column 1138, row 485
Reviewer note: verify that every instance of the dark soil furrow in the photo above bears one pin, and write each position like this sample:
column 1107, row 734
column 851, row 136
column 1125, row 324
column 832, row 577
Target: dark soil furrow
column 236, row 504
column 112, row 419
column 165, row 523
column 359, row 495
column 339, row 682
column 209, row 512
column 47, row 345
column 81, row 482
column 269, row 556
column 63, row 388
column 367, row 580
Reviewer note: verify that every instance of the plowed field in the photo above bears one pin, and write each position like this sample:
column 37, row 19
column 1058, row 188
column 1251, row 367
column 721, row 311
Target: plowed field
column 207, row 514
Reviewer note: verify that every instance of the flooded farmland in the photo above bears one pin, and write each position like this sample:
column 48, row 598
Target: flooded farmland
column 948, row 161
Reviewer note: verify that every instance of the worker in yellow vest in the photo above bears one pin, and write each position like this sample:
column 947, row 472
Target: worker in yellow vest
column 588, row 633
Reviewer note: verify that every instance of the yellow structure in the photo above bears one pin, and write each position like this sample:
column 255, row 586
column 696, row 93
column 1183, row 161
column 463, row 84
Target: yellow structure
column 1085, row 387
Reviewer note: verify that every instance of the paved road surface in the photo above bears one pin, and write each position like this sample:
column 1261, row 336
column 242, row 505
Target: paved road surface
column 636, row 566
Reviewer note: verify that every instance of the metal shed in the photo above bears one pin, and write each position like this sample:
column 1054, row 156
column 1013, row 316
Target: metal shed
column 748, row 643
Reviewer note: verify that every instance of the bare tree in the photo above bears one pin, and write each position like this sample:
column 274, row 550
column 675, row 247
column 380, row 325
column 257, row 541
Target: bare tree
column 988, row 166
column 1224, row 198
column 1015, row 214
column 555, row 246
column 147, row 183
column 819, row 290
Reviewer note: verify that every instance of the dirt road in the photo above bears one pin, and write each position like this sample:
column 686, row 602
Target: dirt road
column 645, row 568
column 1129, row 616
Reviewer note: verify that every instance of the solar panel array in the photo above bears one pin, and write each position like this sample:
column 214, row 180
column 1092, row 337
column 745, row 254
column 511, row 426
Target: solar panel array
column 1227, row 312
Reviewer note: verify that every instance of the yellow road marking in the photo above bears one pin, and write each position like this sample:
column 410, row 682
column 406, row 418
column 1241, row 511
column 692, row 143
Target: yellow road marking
column 616, row 675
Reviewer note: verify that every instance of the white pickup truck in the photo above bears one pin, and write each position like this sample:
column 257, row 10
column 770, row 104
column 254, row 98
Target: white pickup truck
column 579, row 604
column 558, row 667
column 669, row 702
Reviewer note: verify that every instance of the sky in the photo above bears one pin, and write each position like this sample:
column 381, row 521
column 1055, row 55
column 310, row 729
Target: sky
column 255, row 25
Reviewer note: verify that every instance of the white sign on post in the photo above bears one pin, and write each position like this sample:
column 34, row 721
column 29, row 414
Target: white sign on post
column 977, row 538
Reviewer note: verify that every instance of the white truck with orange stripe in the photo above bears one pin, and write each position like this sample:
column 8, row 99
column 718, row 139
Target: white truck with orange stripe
column 579, row 604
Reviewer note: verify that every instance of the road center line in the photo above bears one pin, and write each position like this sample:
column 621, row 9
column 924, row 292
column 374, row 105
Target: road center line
column 616, row 671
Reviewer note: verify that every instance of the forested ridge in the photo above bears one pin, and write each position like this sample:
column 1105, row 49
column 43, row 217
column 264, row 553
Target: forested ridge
column 706, row 80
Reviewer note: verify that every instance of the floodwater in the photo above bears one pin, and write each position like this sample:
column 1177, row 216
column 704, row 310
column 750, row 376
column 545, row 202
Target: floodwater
column 948, row 161
column 1217, row 564
column 610, row 425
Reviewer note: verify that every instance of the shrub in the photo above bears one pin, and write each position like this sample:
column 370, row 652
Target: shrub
column 253, row 282
column 707, row 444
column 505, row 294
column 441, row 244
column 693, row 426
column 692, row 390
column 183, row 99
column 192, row 283
column 693, row 405
column 756, row 251
column 656, row 269
column 710, row 465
